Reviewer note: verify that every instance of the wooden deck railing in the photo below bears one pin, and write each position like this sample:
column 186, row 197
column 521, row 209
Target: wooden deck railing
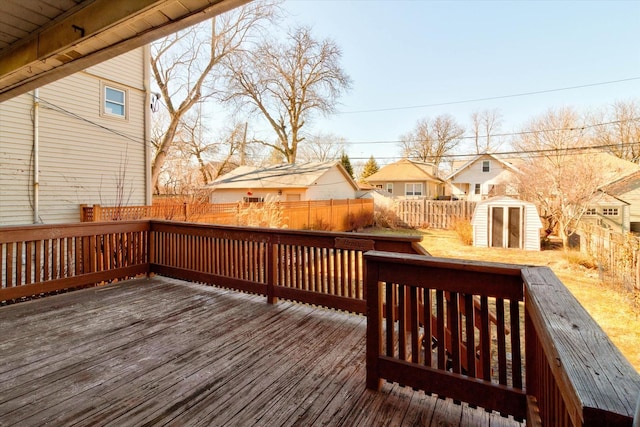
column 574, row 374
column 44, row 258
column 316, row 267
column 310, row 266
column 449, row 327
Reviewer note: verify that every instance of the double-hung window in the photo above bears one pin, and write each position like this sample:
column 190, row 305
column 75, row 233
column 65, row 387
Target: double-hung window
column 390, row 187
column 413, row 189
column 115, row 102
column 486, row 166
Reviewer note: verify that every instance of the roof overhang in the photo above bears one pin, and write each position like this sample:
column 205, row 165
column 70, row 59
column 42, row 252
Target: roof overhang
column 43, row 41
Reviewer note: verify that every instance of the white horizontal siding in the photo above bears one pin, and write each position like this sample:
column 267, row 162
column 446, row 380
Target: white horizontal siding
column 82, row 153
column 15, row 161
column 331, row 185
column 126, row 69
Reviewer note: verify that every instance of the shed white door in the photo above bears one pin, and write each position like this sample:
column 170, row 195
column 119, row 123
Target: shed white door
column 506, row 227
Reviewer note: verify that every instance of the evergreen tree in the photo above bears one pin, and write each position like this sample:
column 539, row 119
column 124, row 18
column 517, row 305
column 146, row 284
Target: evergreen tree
column 344, row 159
column 369, row 169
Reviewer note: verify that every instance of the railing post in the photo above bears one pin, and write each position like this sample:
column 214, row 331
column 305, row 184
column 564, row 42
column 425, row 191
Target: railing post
column 83, row 217
column 373, row 296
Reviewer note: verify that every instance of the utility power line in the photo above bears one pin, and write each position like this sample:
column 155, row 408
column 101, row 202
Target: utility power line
column 490, row 98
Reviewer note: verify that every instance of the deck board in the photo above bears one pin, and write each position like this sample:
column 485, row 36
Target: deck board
column 160, row 351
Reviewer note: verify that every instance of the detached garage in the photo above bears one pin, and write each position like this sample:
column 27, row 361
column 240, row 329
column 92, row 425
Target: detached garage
column 504, row 222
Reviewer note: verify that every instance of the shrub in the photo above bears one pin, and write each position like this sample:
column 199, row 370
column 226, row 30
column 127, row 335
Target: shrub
column 267, row 214
column 579, row 258
column 360, row 220
column 464, row 230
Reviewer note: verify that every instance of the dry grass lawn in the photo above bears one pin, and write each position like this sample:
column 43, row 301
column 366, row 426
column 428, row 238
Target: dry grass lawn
column 610, row 307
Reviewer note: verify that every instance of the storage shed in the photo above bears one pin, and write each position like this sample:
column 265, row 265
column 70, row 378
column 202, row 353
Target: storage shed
column 505, row 222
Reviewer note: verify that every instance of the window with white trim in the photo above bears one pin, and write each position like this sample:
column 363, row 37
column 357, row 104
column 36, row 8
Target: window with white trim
column 114, row 102
column 486, row 166
column 390, row 187
column 413, row 189
column 591, row 211
column 610, row 211
column 477, row 189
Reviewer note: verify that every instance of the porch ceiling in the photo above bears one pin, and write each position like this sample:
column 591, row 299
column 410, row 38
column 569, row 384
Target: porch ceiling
column 44, row 40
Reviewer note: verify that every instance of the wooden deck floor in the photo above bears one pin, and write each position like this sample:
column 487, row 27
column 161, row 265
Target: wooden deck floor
column 164, row 352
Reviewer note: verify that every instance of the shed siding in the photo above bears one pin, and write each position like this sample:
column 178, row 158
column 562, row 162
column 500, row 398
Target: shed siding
column 83, row 155
column 532, row 224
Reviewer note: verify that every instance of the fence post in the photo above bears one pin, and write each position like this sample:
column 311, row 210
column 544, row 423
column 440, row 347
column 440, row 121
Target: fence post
column 83, row 217
column 185, row 211
column 97, row 213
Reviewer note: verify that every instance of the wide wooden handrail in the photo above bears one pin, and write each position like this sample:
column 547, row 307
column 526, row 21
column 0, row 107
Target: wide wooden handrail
column 572, row 366
column 575, row 376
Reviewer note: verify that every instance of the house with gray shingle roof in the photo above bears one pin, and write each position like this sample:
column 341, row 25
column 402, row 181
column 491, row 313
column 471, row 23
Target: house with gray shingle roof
column 284, row 182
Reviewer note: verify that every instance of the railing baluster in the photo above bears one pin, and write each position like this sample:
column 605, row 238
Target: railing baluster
column 470, row 328
column 441, row 331
column 516, row 354
column 485, row 338
column 427, row 326
column 402, row 322
column 502, row 348
column 389, row 317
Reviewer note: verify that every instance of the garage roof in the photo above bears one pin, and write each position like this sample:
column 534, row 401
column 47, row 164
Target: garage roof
column 45, row 40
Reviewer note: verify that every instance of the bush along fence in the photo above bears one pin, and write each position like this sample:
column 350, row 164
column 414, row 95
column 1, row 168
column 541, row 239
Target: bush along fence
column 328, row 215
column 425, row 213
column 617, row 255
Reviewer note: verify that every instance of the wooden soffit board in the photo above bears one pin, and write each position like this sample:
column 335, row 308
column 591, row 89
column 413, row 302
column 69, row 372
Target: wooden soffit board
column 43, row 44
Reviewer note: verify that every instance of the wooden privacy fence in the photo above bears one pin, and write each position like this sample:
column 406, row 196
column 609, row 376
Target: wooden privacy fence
column 425, row 213
column 617, row 255
column 334, row 215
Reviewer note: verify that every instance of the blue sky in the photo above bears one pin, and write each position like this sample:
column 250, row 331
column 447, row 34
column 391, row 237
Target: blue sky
column 413, row 53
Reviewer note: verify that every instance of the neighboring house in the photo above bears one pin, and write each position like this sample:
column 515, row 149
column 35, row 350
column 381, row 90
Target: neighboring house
column 609, row 212
column 408, row 179
column 626, row 189
column 504, row 222
column 483, row 176
column 81, row 140
column 286, row 182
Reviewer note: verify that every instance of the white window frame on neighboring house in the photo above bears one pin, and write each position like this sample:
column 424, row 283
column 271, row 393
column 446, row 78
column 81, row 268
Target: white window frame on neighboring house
column 109, row 102
column 610, row 211
column 486, row 166
column 477, row 189
column 390, row 187
column 413, row 189
column 591, row 211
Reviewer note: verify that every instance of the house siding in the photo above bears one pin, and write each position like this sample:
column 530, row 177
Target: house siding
column 429, row 189
column 463, row 184
column 83, row 154
column 331, row 185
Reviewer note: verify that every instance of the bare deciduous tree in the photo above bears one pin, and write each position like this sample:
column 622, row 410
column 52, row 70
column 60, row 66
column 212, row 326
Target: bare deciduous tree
column 287, row 83
column 622, row 135
column 484, row 125
column 182, row 67
column 561, row 180
column 432, row 139
column 321, row 147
